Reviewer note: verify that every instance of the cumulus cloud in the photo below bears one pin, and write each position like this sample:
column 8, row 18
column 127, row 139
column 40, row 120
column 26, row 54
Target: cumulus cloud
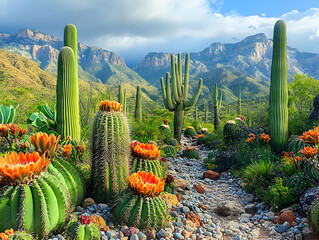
column 134, row 27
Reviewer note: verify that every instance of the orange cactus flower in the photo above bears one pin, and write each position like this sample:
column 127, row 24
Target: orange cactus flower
column 190, row 148
column 264, row 137
column 311, row 136
column 190, row 127
column 309, row 152
column 45, row 144
column 22, row 132
column 13, row 128
column 145, row 151
column 109, row 106
column 67, row 150
column 20, row 168
column 201, row 135
column 5, row 235
column 251, row 138
column 146, row 184
column 4, row 131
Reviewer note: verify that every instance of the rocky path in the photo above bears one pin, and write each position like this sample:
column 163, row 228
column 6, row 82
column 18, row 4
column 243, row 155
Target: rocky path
column 220, row 209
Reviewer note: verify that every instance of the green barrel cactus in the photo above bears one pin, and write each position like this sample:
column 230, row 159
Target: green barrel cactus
column 33, row 200
column 84, row 229
column 110, row 151
column 217, row 106
column 138, row 105
column 191, row 153
column 190, row 132
column 175, row 94
column 140, row 205
column 20, row 235
column 231, row 132
column 296, row 144
column 278, row 98
column 314, row 214
column 71, row 176
column 169, row 150
column 67, row 92
column 146, row 159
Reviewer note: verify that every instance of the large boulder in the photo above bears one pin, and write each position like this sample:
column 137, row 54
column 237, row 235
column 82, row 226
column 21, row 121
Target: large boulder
column 229, row 208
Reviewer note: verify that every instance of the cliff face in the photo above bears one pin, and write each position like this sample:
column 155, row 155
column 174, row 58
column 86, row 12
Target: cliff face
column 44, row 49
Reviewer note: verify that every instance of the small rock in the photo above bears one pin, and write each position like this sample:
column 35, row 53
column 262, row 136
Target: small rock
column 180, row 183
column 194, row 218
column 150, row 234
column 237, row 237
column 134, row 237
column 170, row 198
column 229, row 208
column 280, row 228
column 178, row 236
column 287, row 225
column 186, row 234
column 88, row 202
column 102, row 206
column 164, row 233
column 250, row 208
column 141, row 236
column 185, row 209
column 179, row 197
column 288, row 216
column 298, row 236
column 211, row 175
column 199, row 189
column 111, row 234
column 202, row 206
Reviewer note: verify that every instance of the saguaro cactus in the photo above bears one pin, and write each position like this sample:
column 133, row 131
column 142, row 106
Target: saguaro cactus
column 206, row 110
column 110, row 152
column 175, row 94
column 228, row 109
column 239, row 101
column 122, row 99
column 217, row 106
column 278, row 98
column 138, row 105
column 196, row 116
column 67, row 93
column 70, row 40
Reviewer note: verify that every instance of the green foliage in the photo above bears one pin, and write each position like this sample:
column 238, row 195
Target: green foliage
column 7, row 114
column 278, row 103
column 279, row 195
column 44, row 120
column 175, row 95
column 297, row 183
column 110, row 154
column 141, row 212
column 314, row 214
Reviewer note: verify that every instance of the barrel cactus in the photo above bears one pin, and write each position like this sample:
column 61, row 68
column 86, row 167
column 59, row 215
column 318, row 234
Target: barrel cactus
column 296, row 144
column 110, row 151
column 169, row 150
column 190, row 132
column 10, row 234
column 84, row 229
column 314, row 214
column 140, row 205
column 191, row 153
column 146, row 159
column 32, row 200
column 278, row 98
column 231, row 132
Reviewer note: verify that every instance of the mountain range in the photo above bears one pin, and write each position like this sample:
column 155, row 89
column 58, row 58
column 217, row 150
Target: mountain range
column 244, row 64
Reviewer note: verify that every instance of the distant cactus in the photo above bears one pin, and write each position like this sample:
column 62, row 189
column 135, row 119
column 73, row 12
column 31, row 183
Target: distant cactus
column 217, row 106
column 191, row 154
column 138, row 105
column 122, row 99
column 110, row 151
column 190, row 132
column 239, row 102
column 175, row 94
column 278, row 98
column 196, row 115
column 206, row 110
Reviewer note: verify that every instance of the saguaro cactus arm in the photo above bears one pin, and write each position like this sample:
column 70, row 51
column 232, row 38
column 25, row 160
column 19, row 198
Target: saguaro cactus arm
column 166, row 92
column 193, row 100
column 186, row 77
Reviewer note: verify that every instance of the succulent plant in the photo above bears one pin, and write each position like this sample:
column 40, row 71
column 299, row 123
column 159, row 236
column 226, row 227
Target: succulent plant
column 175, row 94
column 141, row 206
column 146, row 159
column 110, row 151
column 191, row 153
column 7, row 114
column 45, row 144
column 231, row 132
column 84, row 229
column 169, row 150
column 278, row 98
column 190, row 132
column 44, row 120
column 33, row 199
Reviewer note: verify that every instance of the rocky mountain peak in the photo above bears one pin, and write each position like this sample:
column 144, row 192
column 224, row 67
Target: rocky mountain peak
column 36, row 35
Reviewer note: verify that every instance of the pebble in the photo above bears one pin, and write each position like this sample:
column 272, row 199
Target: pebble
column 134, row 237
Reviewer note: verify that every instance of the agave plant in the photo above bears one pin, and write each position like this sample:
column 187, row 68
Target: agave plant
column 7, row 114
column 45, row 144
column 44, row 120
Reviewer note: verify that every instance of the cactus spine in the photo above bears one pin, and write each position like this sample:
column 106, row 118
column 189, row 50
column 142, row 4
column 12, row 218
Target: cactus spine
column 110, row 153
column 67, row 90
column 278, row 99
column 138, row 105
column 175, row 93
column 217, row 106
column 239, row 102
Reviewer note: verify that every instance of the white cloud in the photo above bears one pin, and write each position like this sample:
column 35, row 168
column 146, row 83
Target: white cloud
column 134, row 27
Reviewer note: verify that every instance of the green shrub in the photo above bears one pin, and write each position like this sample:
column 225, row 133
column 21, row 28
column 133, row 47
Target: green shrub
column 279, row 195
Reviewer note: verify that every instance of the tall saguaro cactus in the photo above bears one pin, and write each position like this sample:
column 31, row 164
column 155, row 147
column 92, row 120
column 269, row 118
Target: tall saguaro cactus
column 67, row 89
column 239, row 101
column 196, row 114
column 122, row 99
column 217, row 105
column 278, row 98
column 67, row 93
column 206, row 110
column 175, row 93
column 138, row 105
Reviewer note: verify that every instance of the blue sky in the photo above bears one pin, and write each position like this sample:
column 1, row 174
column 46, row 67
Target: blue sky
column 132, row 28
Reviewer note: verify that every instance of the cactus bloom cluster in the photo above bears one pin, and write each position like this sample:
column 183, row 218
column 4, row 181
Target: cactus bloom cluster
column 12, row 129
column 251, row 138
column 5, row 235
column 109, row 106
column 146, row 184
column 144, row 150
column 264, row 137
column 45, row 144
column 311, row 136
column 309, row 152
column 20, row 168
